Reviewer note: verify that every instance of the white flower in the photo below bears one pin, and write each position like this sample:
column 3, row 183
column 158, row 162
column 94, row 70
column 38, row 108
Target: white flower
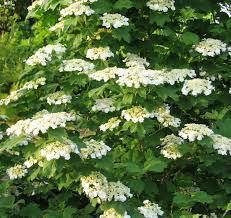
column 94, row 149
column 44, row 55
column 136, row 114
column 210, row 47
column 197, row 86
column 30, row 162
column 57, row 149
column 15, row 95
column 105, row 105
column 161, row 5
column 114, row 20
column 163, row 116
column 112, row 213
column 194, row 131
column 1, row 135
column 18, row 171
column 41, row 122
column 178, row 75
column 110, row 125
column 221, row 144
column 101, row 53
column 36, row 4
column 170, row 149
column 57, row 26
column 77, row 9
column 58, row 98
column 133, row 60
column 106, row 74
column 76, row 65
column 118, row 191
column 150, row 210
column 95, row 185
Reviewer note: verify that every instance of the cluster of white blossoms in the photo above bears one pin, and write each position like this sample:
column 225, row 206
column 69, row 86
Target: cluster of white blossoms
column 1, row 135
column 102, row 53
column 210, row 47
column 40, row 122
column 161, row 5
column 96, row 185
column 76, row 65
column 178, row 75
column 18, row 171
column 15, row 95
column 114, row 20
column 106, row 74
column 136, row 114
column 221, row 144
column 110, row 125
column 105, row 105
column 30, row 162
column 112, row 213
column 134, row 60
column 197, row 86
column 57, row 149
column 94, row 149
column 165, row 118
column 193, row 131
column 44, row 55
column 35, row 4
column 170, row 149
column 77, row 8
column 57, row 26
column 118, row 191
column 150, row 210
column 58, row 98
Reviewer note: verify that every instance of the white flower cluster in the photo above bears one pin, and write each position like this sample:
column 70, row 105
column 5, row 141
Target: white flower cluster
column 150, row 210
column 114, row 20
column 137, row 76
column 94, row 149
column 178, row 75
column 165, row 118
column 210, row 47
column 77, row 9
column 161, row 5
column 136, row 114
column 96, row 185
column 58, row 98
column 1, row 135
column 15, row 95
column 76, row 65
column 193, row 131
column 102, row 53
column 106, row 74
column 57, row 26
column 43, row 55
column 35, row 4
column 134, row 60
column 170, row 149
column 30, row 162
column 110, row 125
column 57, row 149
column 105, row 105
column 18, row 171
column 41, row 122
column 197, row 86
column 112, row 213
column 118, row 191
column 221, row 144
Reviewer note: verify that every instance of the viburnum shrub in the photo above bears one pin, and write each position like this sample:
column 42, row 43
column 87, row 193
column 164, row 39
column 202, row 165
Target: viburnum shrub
column 124, row 112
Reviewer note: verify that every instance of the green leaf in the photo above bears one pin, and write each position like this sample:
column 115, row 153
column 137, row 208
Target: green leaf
column 11, row 143
column 154, row 165
column 159, row 19
column 31, row 210
column 122, row 33
column 189, row 38
column 120, row 4
column 7, row 202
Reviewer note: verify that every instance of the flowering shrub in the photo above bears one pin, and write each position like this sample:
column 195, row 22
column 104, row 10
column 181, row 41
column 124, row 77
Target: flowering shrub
column 123, row 112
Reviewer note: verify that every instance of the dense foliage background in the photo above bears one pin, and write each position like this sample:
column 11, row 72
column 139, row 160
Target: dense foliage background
column 187, row 177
